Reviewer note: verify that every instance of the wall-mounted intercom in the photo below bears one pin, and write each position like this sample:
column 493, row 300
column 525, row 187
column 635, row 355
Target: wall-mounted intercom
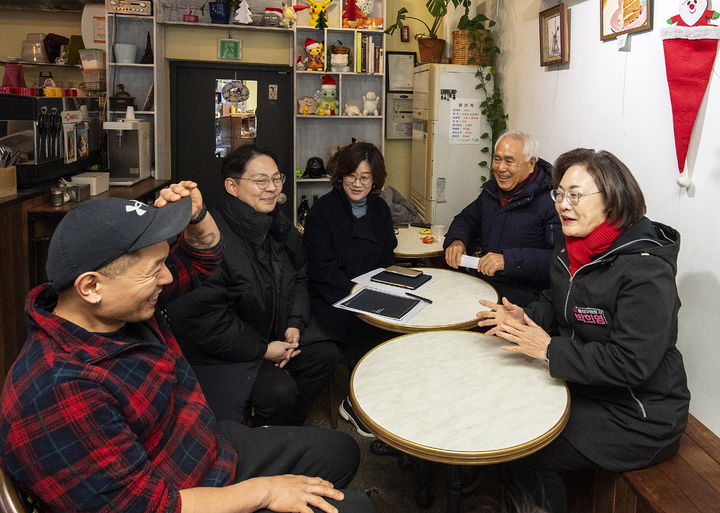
column 398, row 116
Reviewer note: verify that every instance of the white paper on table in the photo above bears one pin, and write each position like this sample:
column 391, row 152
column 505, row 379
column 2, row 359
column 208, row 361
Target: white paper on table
column 403, row 320
column 365, row 281
column 470, row 262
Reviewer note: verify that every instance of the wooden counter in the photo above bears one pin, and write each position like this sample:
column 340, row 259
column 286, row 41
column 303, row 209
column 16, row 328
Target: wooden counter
column 27, row 221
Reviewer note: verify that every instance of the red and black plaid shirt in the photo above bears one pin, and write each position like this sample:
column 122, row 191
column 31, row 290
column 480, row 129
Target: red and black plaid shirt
column 94, row 424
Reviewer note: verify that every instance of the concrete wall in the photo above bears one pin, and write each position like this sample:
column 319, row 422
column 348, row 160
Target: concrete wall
column 619, row 101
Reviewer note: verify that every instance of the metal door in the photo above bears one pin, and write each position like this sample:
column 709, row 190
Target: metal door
column 193, row 121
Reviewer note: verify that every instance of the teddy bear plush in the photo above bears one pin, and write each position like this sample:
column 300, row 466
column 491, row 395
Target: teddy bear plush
column 370, row 104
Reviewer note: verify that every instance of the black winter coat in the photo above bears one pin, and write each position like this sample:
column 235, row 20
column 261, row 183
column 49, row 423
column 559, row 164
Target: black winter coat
column 340, row 246
column 258, row 292
column 616, row 324
column 524, row 231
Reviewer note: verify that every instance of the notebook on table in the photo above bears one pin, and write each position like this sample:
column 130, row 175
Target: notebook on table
column 399, row 280
column 381, row 303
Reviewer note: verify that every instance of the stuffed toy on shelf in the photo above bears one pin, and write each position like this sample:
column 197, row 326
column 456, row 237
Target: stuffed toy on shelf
column 290, row 14
column 370, row 104
column 327, row 104
column 315, row 60
column 351, row 110
column 318, row 7
column 307, row 105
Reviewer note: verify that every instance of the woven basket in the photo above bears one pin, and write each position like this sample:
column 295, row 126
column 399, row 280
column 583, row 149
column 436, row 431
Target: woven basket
column 461, row 52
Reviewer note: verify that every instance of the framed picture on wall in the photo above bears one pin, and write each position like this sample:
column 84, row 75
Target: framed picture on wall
column 400, row 71
column 554, row 36
column 618, row 17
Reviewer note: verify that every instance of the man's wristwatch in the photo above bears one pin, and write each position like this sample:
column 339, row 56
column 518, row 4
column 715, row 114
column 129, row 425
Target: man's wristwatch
column 201, row 215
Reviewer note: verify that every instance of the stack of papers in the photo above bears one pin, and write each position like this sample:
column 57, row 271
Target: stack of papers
column 382, row 299
column 380, row 303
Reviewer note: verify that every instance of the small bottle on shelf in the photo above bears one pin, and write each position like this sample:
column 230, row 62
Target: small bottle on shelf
column 315, row 197
column 302, row 210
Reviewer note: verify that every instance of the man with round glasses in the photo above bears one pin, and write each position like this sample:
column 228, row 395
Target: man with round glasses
column 247, row 330
column 512, row 225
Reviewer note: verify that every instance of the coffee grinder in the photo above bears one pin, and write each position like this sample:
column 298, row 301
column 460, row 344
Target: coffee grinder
column 129, row 149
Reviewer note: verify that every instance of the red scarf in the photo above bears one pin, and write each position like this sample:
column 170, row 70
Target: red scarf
column 581, row 250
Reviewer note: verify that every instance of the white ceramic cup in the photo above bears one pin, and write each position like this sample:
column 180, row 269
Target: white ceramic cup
column 125, row 53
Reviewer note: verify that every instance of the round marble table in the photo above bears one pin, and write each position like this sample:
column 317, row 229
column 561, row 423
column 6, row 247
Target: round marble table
column 454, row 298
column 456, row 397
column 410, row 244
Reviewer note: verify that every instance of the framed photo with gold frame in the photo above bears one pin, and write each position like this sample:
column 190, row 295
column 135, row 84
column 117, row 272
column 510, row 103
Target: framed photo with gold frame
column 618, row 17
column 554, row 36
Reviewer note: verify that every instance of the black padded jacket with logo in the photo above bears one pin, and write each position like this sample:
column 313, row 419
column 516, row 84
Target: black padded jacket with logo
column 615, row 328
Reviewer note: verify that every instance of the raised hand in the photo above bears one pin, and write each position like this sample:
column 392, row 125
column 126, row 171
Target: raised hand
column 499, row 313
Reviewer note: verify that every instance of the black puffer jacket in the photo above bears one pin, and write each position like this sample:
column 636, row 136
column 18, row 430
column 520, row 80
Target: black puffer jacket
column 616, row 321
column 258, row 292
column 340, row 246
column 524, row 231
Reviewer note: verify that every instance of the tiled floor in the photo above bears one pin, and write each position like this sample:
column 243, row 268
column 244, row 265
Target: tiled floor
column 392, row 485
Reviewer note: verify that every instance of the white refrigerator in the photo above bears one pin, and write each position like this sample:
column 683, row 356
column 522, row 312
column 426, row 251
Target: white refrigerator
column 447, row 145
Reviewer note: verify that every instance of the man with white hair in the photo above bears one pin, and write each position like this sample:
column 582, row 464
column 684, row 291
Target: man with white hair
column 512, row 225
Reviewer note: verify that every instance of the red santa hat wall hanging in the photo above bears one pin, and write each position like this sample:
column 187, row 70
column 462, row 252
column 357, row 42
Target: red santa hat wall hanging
column 690, row 48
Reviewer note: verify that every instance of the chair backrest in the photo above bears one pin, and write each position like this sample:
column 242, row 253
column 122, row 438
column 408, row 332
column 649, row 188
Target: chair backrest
column 10, row 501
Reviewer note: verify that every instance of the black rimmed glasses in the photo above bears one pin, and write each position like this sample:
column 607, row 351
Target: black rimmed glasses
column 351, row 179
column 573, row 197
column 262, row 182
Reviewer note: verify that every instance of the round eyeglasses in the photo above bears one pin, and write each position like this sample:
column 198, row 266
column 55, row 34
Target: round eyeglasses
column 262, row 182
column 351, row 179
column 573, row 197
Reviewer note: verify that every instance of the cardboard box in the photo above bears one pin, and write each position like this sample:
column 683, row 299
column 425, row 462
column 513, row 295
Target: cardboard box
column 99, row 182
column 8, row 181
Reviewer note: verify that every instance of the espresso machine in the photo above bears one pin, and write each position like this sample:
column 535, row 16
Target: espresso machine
column 33, row 126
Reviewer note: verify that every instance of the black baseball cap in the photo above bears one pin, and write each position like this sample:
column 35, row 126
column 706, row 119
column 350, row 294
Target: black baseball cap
column 98, row 231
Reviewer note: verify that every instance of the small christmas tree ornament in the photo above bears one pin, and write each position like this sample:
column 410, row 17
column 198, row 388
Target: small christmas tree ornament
column 243, row 14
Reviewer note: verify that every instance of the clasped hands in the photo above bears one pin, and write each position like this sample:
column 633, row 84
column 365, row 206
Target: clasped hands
column 281, row 351
column 511, row 323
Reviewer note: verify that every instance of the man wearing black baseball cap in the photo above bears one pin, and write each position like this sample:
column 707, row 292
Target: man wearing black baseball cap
column 101, row 412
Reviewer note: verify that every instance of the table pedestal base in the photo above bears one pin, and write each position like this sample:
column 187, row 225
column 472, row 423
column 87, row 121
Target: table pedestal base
column 454, row 489
column 423, row 493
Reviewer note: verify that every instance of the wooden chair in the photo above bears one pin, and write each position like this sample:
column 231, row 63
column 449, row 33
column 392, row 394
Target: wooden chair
column 10, row 501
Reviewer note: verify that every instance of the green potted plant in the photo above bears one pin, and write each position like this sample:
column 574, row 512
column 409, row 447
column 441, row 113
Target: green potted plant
column 480, row 50
column 430, row 46
column 472, row 40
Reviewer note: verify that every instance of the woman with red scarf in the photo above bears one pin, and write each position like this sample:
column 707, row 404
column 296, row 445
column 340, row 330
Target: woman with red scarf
column 607, row 326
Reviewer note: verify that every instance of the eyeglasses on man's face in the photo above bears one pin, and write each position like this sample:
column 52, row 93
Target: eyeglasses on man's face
column 351, row 179
column 573, row 197
column 262, row 182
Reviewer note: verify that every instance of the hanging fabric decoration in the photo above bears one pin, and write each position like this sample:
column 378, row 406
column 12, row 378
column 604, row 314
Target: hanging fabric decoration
column 690, row 48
